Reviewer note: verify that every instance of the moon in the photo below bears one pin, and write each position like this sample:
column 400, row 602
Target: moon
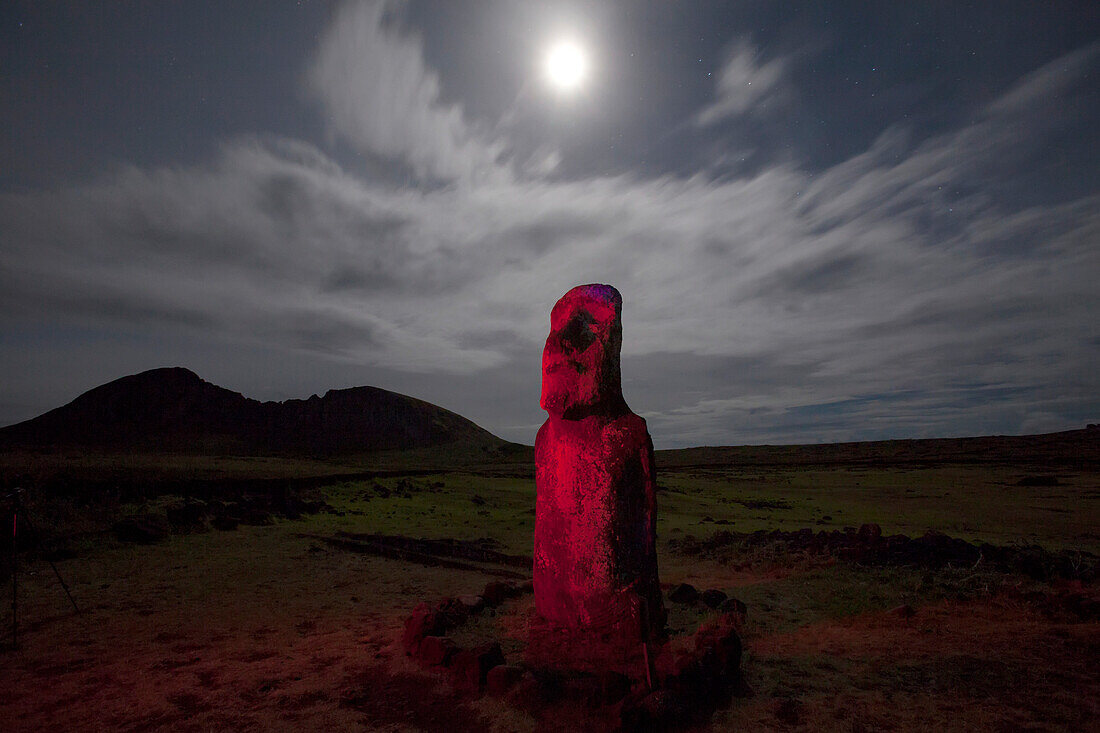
column 566, row 65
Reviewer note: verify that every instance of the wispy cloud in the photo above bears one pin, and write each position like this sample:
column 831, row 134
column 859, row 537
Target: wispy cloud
column 382, row 98
column 745, row 85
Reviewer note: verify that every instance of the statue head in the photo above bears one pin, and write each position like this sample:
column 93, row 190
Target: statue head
column 580, row 362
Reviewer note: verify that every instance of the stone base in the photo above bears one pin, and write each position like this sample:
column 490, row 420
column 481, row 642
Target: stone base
column 616, row 648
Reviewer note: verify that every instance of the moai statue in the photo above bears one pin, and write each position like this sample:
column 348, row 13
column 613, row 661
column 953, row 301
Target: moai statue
column 595, row 512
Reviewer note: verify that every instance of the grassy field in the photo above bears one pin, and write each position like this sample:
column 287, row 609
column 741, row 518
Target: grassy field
column 268, row 627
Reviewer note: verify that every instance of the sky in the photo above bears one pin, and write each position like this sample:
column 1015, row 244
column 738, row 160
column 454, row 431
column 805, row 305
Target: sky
column 829, row 221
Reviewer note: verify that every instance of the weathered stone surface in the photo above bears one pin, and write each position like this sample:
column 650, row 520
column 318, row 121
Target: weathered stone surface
column 502, row 678
column 718, row 645
column 470, row 667
column 870, row 533
column 595, row 516
column 712, row 598
column 497, row 592
column 436, row 651
column 452, row 611
column 424, row 621
column 734, row 606
column 472, row 604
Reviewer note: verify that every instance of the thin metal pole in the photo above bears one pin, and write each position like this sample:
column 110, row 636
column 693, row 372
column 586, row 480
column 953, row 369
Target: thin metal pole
column 31, row 527
column 14, row 594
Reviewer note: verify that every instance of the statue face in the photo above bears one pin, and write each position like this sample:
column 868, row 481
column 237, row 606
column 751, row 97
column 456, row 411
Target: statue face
column 580, row 362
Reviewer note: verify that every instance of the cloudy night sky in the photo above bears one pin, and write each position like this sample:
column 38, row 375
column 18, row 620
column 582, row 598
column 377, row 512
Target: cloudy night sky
column 829, row 221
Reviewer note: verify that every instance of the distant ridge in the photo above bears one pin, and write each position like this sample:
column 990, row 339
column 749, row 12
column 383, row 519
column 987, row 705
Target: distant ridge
column 173, row 410
column 1067, row 448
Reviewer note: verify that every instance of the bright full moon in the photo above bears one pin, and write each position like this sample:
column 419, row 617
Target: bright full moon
column 566, row 65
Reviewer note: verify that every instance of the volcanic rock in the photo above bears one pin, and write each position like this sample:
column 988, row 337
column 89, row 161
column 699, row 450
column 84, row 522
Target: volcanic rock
column 502, row 678
column 224, row 523
column 683, row 593
column 472, row 604
column 719, row 638
column 436, row 651
column 870, row 533
column 186, row 513
column 470, row 667
column 423, row 622
column 143, row 528
column 497, row 592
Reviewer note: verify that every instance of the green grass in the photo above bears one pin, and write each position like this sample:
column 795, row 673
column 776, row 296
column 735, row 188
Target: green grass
column 977, row 503
column 465, row 507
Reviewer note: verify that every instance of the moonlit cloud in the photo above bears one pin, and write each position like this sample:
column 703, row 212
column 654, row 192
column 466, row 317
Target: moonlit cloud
column 893, row 293
column 382, row 98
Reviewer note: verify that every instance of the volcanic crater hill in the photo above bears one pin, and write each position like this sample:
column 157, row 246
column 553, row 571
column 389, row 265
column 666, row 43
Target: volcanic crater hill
column 174, row 410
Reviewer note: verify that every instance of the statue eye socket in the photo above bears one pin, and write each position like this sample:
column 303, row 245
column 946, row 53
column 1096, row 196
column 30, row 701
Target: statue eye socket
column 580, row 332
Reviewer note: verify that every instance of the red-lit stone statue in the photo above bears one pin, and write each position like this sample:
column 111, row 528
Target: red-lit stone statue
column 595, row 513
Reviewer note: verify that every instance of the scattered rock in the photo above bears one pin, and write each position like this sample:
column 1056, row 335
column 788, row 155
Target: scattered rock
column 718, row 644
column 497, row 591
column 436, row 651
column 526, row 692
column 870, row 533
column 712, row 598
column 470, row 667
column 472, row 604
column 502, row 678
column 867, row 545
column 683, row 593
column 227, row 523
column 452, row 612
column 423, row 622
column 186, row 514
column 143, row 528
column 735, row 606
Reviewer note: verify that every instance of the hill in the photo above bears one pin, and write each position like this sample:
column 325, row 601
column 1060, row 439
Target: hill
column 1067, row 448
column 173, row 410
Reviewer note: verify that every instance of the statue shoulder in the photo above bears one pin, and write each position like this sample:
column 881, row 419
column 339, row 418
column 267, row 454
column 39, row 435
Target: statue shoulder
column 632, row 428
column 544, row 433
